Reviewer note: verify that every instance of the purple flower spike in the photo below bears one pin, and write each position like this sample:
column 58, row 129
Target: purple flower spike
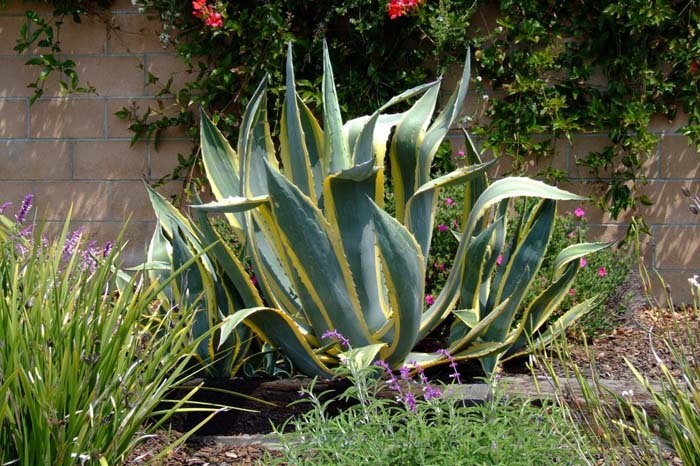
column 453, row 364
column 410, row 401
column 335, row 334
column 72, row 242
column 4, row 206
column 393, row 381
column 404, row 372
column 107, row 249
column 24, row 208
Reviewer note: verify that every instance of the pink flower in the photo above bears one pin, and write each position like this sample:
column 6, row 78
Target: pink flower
column 429, row 300
column 460, row 153
column 214, row 20
column 499, row 259
column 582, row 262
column 442, row 227
column 400, row 7
column 571, row 233
column 449, row 201
column 579, row 212
column 602, row 272
column 455, row 223
column 572, row 292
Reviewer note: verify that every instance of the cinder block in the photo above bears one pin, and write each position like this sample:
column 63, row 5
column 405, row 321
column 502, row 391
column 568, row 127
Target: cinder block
column 112, row 76
column 679, row 159
column 670, row 205
column 15, row 76
column 90, row 200
column 88, row 36
column 617, row 233
column 14, row 192
column 133, row 32
column 67, row 118
column 35, row 160
column 582, row 145
column 9, row 33
column 118, row 128
column 162, row 161
column 109, row 160
column 19, row 7
column 130, row 201
column 676, row 280
column 661, row 124
column 678, row 247
column 13, row 118
column 165, row 67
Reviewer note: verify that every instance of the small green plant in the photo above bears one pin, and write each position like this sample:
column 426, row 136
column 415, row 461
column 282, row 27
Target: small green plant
column 617, row 426
column 84, row 364
column 424, row 424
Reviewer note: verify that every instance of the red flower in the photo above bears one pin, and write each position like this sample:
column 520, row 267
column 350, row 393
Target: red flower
column 395, row 9
column 214, row 20
column 400, row 7
column 694, row 68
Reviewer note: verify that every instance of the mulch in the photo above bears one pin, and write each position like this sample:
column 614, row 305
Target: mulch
column 640, row 339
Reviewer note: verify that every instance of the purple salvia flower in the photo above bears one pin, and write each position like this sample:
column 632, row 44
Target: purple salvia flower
column 4, row 206
column 404, row 373
column 428, row 391
column 89, row 256
column 71, row 243
column 24, row 208
column 410, row 401
column 107, row 248
column 337, row 335
column 26, row 231
column 453, row 364
column 393, row 381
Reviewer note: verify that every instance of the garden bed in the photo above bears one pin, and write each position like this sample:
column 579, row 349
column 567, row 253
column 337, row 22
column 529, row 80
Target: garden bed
column 238, row 437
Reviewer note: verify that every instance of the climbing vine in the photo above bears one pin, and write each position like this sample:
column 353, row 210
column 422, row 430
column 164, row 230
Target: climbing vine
column 546, row 70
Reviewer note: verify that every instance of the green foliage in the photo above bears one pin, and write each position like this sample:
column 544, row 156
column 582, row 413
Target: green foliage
column 603, row 273
column 44, row 34
column 328, row 257
column 213, row 284
column 617, row 425
column 437, row 430
column 84, row 366
column 551, row 61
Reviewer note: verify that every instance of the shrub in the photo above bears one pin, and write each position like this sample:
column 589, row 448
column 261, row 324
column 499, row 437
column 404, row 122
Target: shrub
column 424, row 424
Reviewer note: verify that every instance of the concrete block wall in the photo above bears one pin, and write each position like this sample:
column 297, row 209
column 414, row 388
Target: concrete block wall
column 72, row 151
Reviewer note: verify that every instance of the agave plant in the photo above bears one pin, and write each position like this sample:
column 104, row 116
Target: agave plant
column 211, row 282
column 329, row 257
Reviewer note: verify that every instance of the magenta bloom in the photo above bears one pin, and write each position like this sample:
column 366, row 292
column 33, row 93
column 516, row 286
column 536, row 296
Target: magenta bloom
column 442, row 227
column 455, row 223
column 579, row 212
column 572, row 292
column 602, row 272
column 429, row 300
column 582, row 262
column 460, row 153
column 449, row 201
column 499, row 259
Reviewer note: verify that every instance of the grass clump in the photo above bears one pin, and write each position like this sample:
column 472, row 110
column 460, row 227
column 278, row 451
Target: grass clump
column 84, row 363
